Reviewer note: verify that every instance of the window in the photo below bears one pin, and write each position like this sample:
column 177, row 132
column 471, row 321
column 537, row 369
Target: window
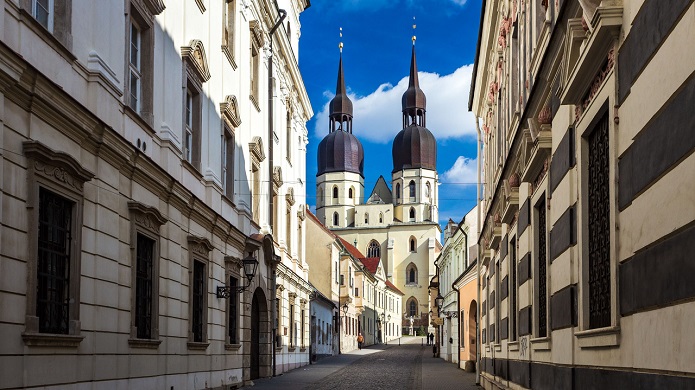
column 145, row 224
column 293, row 335
column 366, row 218
column 319, row 198
column 55, row 239
column 139, row 61
column 428, row 190
column 42, row 10
column 336, row 273
column 412, row 307
column 398, row 191
column 288, row 229
column 411, row 274
column 599, row 221
column 541, row 280
column 335, row 195
column 196, row 72
column 198, row 252
column 54, row 212
column 257, row 156
column 413, row 244
column 135, row 73
column 350, row 274
column 335, row 219
column 191, row 139
column 350, row 193
column 342, row 279
column 381, row 217
column 412, row 214
column 232, row 312
column 357, row 291
column 278, row 315
column 229, row 31
column 301, row 335
column 373, row 249
column 228, row 152
column 255, row 66
column 288, row 129
column 411, row 190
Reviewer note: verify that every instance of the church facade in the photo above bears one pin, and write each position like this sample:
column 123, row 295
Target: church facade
column 397, row 223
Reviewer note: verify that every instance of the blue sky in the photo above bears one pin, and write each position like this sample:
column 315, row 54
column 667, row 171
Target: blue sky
column 376, row 60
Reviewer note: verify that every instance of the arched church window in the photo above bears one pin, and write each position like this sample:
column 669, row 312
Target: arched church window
column 366, row 218
column 335, row 192
column 381, row 217
column 335, row 219
column 350, row 193
column 411, row 190
column 428, row 190
column 398, row 191
column 412, row 214
column 412, row 307
column 413, row 244
column 373, row 249
column 319, row 198
column 411, row 274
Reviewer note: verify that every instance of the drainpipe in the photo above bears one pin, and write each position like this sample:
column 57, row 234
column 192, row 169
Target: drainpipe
column 271, row 141
column 478, row 200
column 453, row 287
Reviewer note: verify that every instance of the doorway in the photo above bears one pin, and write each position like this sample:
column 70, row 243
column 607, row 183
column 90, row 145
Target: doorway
column 259, row 348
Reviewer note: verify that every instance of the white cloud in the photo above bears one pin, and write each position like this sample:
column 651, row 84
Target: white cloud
column 464, row 171
column 459, row 2
column 378, row 118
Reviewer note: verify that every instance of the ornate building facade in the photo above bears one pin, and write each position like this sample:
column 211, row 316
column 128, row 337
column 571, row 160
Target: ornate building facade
column 143, row 169
column 586, row 246
column 400, row 226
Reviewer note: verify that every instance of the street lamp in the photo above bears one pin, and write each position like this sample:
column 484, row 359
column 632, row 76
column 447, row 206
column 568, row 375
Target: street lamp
column 250, row 265
column 439, row 301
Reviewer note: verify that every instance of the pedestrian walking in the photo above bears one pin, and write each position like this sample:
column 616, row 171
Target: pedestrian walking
column 360, row 340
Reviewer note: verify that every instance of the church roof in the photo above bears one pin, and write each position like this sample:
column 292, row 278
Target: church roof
column 414, row 147
column 414, row 97
column 382, row 190
column 341, row 103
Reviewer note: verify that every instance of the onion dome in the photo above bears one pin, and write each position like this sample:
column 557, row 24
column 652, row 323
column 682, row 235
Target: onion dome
column 414, row 146
column 340, row 150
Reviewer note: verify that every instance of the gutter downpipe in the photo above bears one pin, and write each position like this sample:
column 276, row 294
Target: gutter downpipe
column 282, row 13
column 477, row 323
column 458, row 298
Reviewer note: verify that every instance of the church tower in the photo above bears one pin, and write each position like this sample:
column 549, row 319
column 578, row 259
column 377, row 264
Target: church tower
column 340, row 177
column 414, row 176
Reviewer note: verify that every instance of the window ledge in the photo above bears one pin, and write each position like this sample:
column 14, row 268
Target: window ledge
column 541, row 344
column 145, row 123
column 190, row 168
column 497, row 347
column 144, row 343
column 198, row 346
column 278, row 349
column 49, row 38
column 513, row 346
column 599, row 338
column 51, row 340
column 302, row 349
column 291, row 349
column 232, row 347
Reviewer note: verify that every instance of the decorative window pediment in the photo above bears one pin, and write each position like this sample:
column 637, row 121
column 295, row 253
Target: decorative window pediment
column 230, row 111
column 256, row 33
column 147, row 216
column 199, row 245
column 290, row 196
column 277, row 178
column 155, row 6
column 195, row 58
column 57, row 165
column 256, row 149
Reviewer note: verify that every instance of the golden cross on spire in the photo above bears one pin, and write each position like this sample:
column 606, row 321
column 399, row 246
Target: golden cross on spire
column 414, row 27
column 340, row 45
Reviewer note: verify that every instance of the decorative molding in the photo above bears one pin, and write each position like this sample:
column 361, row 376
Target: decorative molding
column 256, row 33
column 57, row 165
column 146, row 216
column 230, row 111
column 256, row 149
column 290, row 196
column 194, row 56
column 155, row 6
column 277, row 178
column 199, row 245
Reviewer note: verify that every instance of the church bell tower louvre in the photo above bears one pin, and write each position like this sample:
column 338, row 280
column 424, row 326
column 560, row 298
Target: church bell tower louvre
column 340, row 176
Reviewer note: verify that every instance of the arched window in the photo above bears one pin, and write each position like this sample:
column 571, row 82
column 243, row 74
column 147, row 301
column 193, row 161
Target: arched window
column 411, row 274
column 350, row 193
column 381, row 217
column 335, row 219
column 428, row 190
column 319, row 198
column 398, row 191
column 411, row 306
column 412, row 214
column 413, row 244
column 335, row 192
column 366, row 218
column 373, row 249
column 411, row 190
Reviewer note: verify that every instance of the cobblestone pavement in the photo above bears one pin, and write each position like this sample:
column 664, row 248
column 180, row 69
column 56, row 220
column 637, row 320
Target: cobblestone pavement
column 406, row 367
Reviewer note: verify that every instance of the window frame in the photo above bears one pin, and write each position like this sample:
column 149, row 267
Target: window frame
column 139, row 15
column 198, row 252
column 408, row 271
column 146, row 221
column 412, row 191
column 229, row 31
column 61, row 174
column 50, row 14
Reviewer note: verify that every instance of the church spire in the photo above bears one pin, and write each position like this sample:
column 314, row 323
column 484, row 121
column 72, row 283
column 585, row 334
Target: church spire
column 414, row 101
column 340, row 108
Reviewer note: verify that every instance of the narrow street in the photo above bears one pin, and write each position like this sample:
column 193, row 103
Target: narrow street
column 408, row 366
